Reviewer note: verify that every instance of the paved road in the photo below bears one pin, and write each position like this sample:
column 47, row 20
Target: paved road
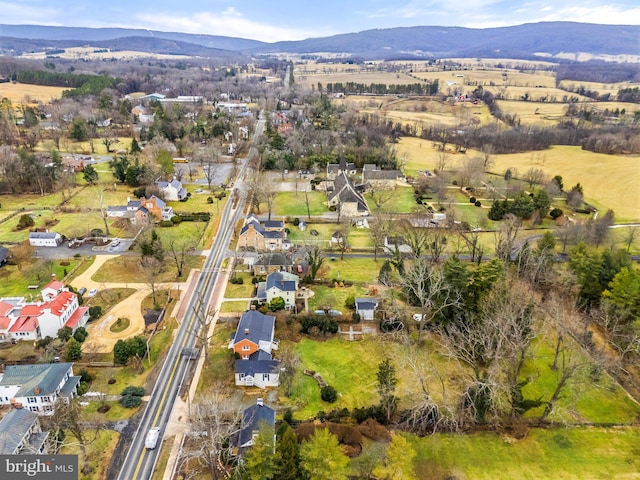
column 140, row 462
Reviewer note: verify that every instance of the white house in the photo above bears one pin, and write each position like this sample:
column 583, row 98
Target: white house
column 259, row 370
column 172, row 191
column 399, row 243
column 45, row 239
column 279, row 284
column 37, row 387
column 59, row 308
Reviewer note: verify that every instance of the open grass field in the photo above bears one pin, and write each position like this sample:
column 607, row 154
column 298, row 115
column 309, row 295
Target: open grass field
column 361, row 270
column 243, row 290
column 19, row 92
column 544, row 454
column 401, row 201
column 598, row 86
column 534, row 113
column 609, row 180
column 290, row 204
column 334, row 297
column 15, row 283
column 127, row 269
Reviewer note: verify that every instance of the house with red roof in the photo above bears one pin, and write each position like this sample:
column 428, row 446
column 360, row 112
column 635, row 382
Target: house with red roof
column 59, row 308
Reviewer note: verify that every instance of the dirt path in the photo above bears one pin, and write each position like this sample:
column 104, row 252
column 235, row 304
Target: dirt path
column 101, row 339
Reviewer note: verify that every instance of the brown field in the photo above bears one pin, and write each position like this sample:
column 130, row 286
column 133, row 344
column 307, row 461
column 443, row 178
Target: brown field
column 599, row 87
column 609, row 181
column 507, row 63
column 91, row 53
column 18, row 92
column 359, row 76
column 539, row 113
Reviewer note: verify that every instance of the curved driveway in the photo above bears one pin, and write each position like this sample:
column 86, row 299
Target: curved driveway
column 101, row 339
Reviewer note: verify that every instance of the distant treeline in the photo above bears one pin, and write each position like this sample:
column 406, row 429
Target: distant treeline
column 601, row 72
column 354, row 88
column 79, row 84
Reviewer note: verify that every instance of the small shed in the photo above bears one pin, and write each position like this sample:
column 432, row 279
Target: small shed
column 366, row 307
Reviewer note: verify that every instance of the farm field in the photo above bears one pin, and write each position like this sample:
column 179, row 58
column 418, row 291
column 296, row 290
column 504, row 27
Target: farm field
column 585, row 453
column 93, row 53
column 609, row 180
column 359, row 76
column 17, row 92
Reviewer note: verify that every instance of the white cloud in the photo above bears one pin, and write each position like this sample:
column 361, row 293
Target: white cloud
column 22, row 14
column 229, row 22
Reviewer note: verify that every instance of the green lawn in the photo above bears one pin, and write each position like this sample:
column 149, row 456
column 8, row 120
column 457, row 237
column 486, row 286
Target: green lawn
column 99, row 452
column 234, row 307
column 289, row 204
column 219, row 368
column 363, row 270
column 14, row 282
column 333, row 297
column 126, row 268
column 401, row 201
column 585, row 399
column 325, row 230
column 243, row 290
column 346, row 366
column 554, row 454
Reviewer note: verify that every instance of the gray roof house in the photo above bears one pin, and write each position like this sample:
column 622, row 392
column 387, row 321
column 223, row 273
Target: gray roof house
column 37, row 387
column 172, row 191
column 374, row 177
column 255, row 332
column 20, row 432
column 366, row 307
column 345, row 196
column 45, row 239
column 335, row 169
column 270, row 262
column 279, row 284
column 252, row 417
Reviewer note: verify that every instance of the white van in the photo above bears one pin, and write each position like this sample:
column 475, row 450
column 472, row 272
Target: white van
column 152, row 438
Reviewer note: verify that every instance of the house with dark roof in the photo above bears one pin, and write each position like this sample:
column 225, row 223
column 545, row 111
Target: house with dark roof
column 259, row 370
column 37, row 387
column 252, row 418
column 345, row 197
column 374, row 178
column 272, row 262
column 397, row 243
column 253, row 342
column 255, row 332
column 172, row 191
column 257, row 236
column 4, row 255
column 279, row 284
column 335, row 169
column 366, row 307
column 21, row 433
column 142, row 211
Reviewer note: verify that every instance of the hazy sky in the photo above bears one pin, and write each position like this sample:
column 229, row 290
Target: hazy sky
column 297, row 19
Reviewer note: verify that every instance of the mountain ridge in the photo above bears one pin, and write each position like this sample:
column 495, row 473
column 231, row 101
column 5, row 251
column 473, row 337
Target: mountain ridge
column 519, row 41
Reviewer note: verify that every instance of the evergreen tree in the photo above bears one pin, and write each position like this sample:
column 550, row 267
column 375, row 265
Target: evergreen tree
column 74, row 351
column 288, row 456
column 386, row 385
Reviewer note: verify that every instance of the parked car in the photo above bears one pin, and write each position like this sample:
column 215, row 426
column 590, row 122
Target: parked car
column 82, row 291
column 115, row 242
column 92, row 292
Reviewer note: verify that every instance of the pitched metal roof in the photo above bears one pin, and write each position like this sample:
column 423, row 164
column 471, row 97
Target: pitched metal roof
column 286, row 282
column 252, row 367
column 254, row 326
column 13, row 428
column 44, row 376
column 251, row 419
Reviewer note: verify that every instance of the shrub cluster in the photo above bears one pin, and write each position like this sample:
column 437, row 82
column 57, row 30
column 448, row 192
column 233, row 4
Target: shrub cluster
column 131, row 397
column 323, row 324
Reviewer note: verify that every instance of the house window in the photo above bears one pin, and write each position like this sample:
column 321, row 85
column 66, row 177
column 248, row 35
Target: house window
column 245, row 357
column 47, row 408
column 32, row 400
column 34, row 409
column 246, row 348
column 265, row 377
